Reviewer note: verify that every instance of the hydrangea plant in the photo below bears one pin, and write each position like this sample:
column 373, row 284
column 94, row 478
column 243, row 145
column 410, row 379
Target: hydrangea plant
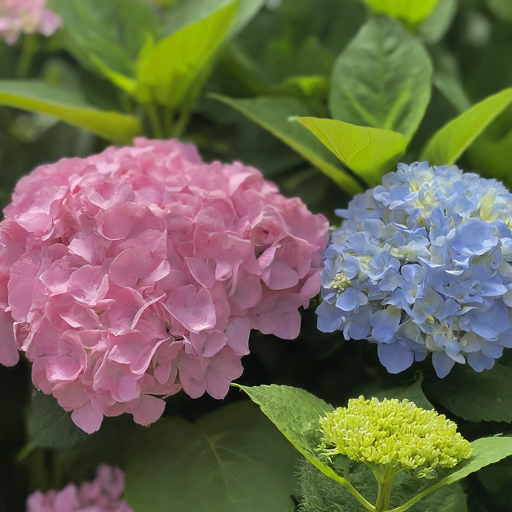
column 420, row 264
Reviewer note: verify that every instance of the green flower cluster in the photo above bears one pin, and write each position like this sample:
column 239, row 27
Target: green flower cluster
column 394, row 433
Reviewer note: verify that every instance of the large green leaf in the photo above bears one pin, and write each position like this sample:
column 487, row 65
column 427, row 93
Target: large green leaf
column 450, row 142
column 485, row 396
column 186, row 13
column 273, row 114
column 49, row 425
column 382, row 79
column 38, row 97
column 369, row 152
column 296, row 413
column 485, row 451
column 167, row 71
column 231, row 460
column 411, row 11
column 107, row 36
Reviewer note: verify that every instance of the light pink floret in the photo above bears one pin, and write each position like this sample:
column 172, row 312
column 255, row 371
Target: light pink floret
column 104, row 494
column 129, row 275
column 26, row 16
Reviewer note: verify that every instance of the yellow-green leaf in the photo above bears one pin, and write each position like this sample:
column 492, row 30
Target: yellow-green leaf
column 273, row 115
column 369, row 152
column 411, row 11
column 38, row 97
column 166, row 71
column 450, row 142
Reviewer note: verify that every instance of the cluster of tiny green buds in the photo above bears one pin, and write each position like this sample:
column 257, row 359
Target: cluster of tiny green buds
column 394, row 433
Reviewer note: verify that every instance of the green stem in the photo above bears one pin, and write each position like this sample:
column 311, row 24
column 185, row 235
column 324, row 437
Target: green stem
column 28, row 50
column 155, row 121
column 385, row 478
column 417, row 498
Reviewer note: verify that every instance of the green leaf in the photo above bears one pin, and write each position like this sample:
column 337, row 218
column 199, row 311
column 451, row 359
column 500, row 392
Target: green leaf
column 320, row 494
column 186, row 13
column 501, row 8
column 273, row 114
column 382, row 79
column 296, row 413
column 451, row 88
column 411, row 11
column 369, row 152
column 413, row 392
column 492, row 158
column 485, row 451
column 167, row 71
column 106, row 35
column 485, row 396
column 49, row 425
column 450, row 142
column 433, row 29
column 230, row 460
column 37, row 97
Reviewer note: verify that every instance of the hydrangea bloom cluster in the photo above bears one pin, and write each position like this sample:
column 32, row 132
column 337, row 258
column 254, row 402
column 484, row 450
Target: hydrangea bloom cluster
column 26, row 16
column 422, row 264
column 141, row 270
column 396, row 434
column 104, row 494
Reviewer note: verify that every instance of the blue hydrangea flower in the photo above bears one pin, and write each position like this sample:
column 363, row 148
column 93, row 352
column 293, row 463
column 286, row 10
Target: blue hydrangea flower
column 423, row 263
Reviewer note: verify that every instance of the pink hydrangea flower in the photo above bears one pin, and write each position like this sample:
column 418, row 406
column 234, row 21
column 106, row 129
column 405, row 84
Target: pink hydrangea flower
column 129, row 275
column 104, row 494
column 27, row 16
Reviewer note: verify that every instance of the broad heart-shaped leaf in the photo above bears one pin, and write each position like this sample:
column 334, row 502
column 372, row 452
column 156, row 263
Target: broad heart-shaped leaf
column 231, row 460
column 38, row 97
column 166, row 71
column 369, row 152
column 485, row 396
column 273, row 113
column 450, row 142
column 485, row 451
column 411, row 11
column 382, row 79
column 49, row 425
column 186, row 13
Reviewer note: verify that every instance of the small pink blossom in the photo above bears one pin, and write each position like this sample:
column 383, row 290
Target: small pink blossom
column 104, row 494
column 26, row 16
column 132, row 274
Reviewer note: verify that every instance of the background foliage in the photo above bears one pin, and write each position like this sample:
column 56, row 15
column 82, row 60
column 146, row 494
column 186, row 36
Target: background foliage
column 323, row 96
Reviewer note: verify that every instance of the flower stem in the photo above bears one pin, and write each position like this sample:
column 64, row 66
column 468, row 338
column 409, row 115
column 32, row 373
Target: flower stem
column 385, row 479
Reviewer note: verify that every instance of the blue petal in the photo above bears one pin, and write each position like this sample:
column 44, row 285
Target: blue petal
column 347, row 301
column 329, row 317
column 442, row 364
column 385, row 322
column 395, row 357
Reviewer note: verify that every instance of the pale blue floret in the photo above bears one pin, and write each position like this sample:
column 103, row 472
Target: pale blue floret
column 423, row 263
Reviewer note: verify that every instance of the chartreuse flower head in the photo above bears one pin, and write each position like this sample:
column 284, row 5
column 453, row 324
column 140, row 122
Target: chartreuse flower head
column 392, row 436
column 395, row 433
